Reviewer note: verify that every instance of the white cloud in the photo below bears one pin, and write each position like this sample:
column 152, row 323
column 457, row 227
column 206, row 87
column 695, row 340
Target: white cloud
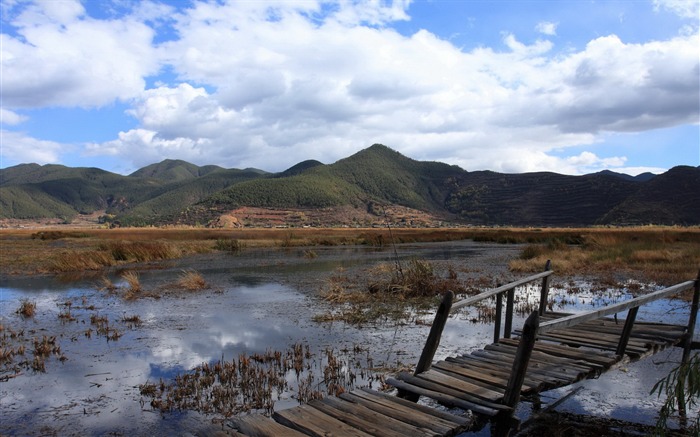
column 268, row 84
column 547, row 28
column 683, row 8
column 20, row 148
column 61, row 57
column 10, row 118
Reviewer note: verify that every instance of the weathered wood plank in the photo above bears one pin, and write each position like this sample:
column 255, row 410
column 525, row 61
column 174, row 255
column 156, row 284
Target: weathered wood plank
column 256, row 425
column 404, row 414
column 461, row 384
column 441, row 394
column 593, row 358
column 490, row 365
column 497, row 384
column 365, row 419
column 463, row 421
column 315, row 423
column 575, row 319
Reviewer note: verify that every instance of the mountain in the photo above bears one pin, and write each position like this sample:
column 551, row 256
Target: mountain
column 358, row 189
column 172, row 170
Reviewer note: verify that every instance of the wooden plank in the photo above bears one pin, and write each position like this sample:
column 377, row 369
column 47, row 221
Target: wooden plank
column 403, row 414
column 487, row 364
column 575, row 319
column 315, row 423
column 430, row 385
column 568, row 363
column 365, row 419
column 554, row 371
column 602, row 360
column 463, row 421
column 569, row 352
column 461, row 384
column 596, row 339
column 587, row 342
column 483, row 366
column 485, row 295
column 257, row 425
column 442, row 397
column 492, row 381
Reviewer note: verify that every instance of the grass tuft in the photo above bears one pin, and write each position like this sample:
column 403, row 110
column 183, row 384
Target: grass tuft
column 191, row 280
column 134, row 290
column 27, row 309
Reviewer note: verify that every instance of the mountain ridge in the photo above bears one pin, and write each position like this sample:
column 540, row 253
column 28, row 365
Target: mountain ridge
column 368, row 182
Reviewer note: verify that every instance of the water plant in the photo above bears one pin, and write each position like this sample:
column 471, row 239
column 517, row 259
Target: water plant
column 191, row 280
column 27, row 308
column 132, row 279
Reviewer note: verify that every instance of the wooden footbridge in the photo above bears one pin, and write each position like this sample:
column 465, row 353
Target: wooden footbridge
column 552, row 350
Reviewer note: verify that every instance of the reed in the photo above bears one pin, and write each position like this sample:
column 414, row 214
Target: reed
column 191, row 280
column 134, row 285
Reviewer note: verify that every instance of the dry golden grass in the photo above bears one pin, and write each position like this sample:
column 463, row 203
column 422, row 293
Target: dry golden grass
column 191, row 280
column 663, row 254
column 134, row 290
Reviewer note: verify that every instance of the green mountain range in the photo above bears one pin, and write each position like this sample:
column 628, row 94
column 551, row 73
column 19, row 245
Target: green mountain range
column 175, row 191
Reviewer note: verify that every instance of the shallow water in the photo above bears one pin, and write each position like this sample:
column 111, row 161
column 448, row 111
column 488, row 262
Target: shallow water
column 260, row 300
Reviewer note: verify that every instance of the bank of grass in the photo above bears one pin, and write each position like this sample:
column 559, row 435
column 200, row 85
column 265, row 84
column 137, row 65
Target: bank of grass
column 654, row 253
column 663, row 256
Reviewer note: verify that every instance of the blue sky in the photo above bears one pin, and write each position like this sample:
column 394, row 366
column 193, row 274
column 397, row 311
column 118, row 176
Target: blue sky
column 513, row 86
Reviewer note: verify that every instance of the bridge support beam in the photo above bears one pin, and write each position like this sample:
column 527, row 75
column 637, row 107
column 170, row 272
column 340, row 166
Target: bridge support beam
column 431, row 345
column 517, row 375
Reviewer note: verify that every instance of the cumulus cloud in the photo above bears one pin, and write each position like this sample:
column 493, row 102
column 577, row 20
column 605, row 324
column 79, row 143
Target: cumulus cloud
column 18, row 148
column 10, row 118
column 59, row 56
column 268, row 84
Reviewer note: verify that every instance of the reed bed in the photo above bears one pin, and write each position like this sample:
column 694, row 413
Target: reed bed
column 253, row 382
column 662, row 257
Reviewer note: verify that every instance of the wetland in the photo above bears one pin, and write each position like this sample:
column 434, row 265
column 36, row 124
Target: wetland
column 96, row 360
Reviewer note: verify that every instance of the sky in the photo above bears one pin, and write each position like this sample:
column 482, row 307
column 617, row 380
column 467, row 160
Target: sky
column 513, row 86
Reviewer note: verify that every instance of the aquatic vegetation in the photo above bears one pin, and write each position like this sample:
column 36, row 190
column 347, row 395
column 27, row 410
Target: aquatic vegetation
column 134, row 290
column 191, row 280
column 254, row 382
column 27, row 308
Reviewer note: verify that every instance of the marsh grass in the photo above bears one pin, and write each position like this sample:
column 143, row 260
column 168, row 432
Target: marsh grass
column 384, row 293
column 253, row 382
column 232, row 245
column 662, row 257
column 191, row 280
column 134, row 285
column 27, row 309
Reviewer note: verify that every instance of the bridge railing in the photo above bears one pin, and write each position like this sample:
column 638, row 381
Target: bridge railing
column 447, row 307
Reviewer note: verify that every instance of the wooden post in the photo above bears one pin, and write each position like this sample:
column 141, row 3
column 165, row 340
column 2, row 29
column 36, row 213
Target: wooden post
column 509, row 313
column 499, row 314
column 517, row 374
column 545, row 288
column 691, row 321
column 626, row 332
column 432, row 343
column 522, row 359
column 687, row 346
